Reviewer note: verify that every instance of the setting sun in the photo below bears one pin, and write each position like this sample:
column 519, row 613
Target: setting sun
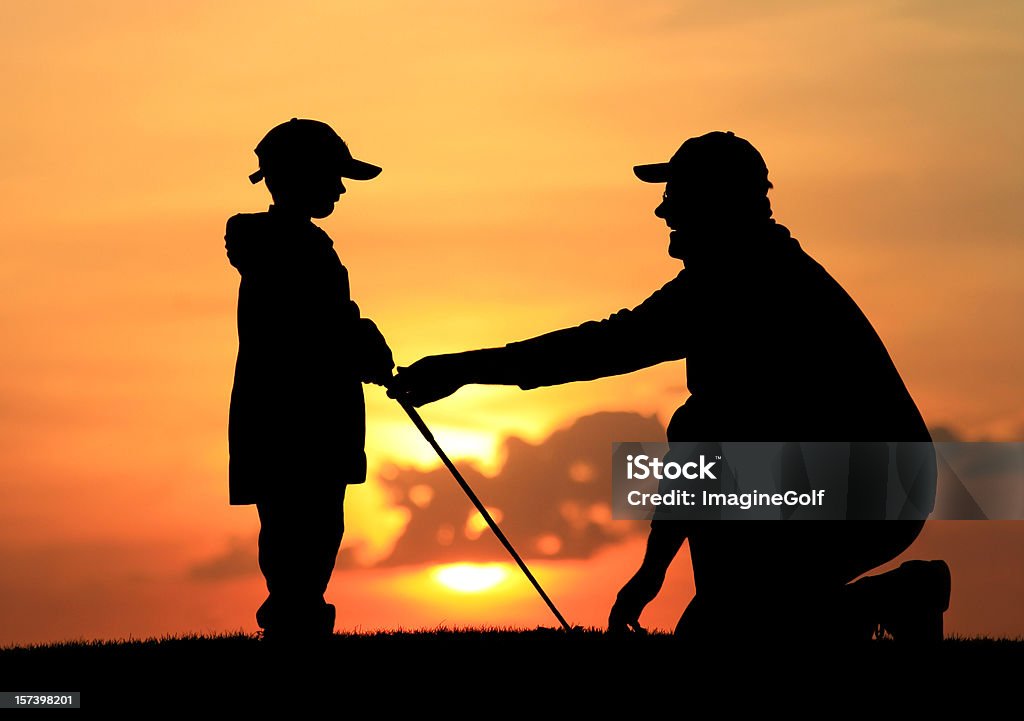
column 470, row 577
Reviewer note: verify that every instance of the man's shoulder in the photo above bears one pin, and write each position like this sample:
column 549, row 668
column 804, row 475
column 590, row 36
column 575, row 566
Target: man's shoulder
column 679, row 281
column 814, row 291
column 784, row 256
column 674, row 288
column 801, row 265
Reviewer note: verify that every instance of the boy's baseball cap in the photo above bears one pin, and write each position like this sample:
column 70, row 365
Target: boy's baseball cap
column 718, row 154
column 301, row 141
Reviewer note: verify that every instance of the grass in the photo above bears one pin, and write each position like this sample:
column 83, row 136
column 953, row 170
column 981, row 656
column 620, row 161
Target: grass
column 398, row 667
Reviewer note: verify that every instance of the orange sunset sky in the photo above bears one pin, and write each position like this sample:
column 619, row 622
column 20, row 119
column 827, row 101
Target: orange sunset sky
column 507, row 208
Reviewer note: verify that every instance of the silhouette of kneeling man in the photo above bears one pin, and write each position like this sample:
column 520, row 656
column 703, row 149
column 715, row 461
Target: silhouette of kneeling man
column 776, row 351
column 296, row 429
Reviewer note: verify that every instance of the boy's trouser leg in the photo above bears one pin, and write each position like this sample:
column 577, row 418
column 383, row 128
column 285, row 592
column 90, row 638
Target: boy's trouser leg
column 300, row 535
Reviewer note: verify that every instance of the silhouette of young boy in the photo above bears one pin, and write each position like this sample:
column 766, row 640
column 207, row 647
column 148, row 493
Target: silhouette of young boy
column 297, row 421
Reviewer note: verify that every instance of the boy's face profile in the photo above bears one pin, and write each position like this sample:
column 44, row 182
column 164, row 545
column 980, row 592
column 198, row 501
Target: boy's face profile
column 309, row 190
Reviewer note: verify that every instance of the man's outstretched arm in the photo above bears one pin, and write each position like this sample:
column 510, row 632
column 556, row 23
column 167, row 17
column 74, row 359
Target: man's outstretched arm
column 626, row 341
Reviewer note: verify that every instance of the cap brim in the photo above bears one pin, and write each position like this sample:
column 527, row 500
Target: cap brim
column 652, row 173
column 358, row 170
column 354, row 169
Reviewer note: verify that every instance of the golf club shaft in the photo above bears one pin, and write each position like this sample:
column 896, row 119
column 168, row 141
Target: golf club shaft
column 418, row 422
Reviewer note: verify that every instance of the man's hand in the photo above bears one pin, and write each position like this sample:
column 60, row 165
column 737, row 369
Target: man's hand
column 429, row 379
column 631, row 601
column 375, row 361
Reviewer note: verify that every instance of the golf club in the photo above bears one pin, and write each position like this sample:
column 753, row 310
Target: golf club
column 414, row 416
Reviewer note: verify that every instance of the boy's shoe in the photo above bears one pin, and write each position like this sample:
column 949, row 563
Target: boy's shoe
column 314, row 628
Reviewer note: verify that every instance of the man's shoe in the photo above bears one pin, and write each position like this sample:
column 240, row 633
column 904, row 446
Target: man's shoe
column 906, row 603
column 330, row 614
column 920, row 596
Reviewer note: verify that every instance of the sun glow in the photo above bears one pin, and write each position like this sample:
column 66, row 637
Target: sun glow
column 470, row 577
column 399, row 442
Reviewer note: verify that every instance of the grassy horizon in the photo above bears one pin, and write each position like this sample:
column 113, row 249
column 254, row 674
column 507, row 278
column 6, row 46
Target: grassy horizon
column 453, row 632
column 463, row 670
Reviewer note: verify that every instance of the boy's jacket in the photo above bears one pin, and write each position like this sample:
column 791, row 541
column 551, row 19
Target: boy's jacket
column 297, row 417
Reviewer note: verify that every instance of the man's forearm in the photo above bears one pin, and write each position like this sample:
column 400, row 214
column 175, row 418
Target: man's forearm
column 663, row 543
column 489, row 366
column 542, row 361
column 558, row 357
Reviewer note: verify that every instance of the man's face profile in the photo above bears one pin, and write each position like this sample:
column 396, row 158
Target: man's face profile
column 704, row 206
column 685, row 209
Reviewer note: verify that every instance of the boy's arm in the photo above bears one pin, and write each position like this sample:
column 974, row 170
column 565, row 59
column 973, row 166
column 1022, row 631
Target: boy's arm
column 376, row 362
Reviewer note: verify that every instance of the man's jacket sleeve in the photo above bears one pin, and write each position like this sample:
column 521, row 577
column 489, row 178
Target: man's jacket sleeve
column 653, row 332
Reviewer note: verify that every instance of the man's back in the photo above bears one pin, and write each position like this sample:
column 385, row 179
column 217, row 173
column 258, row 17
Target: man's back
column 779, row 351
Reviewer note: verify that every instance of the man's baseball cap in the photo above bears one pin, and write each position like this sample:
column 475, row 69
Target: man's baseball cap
column 300, row 141
column 720, row 156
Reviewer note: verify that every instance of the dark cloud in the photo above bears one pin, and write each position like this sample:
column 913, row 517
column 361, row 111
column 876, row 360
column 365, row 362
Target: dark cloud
column 945, row 434
column 552, row 499
column 237, row 560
